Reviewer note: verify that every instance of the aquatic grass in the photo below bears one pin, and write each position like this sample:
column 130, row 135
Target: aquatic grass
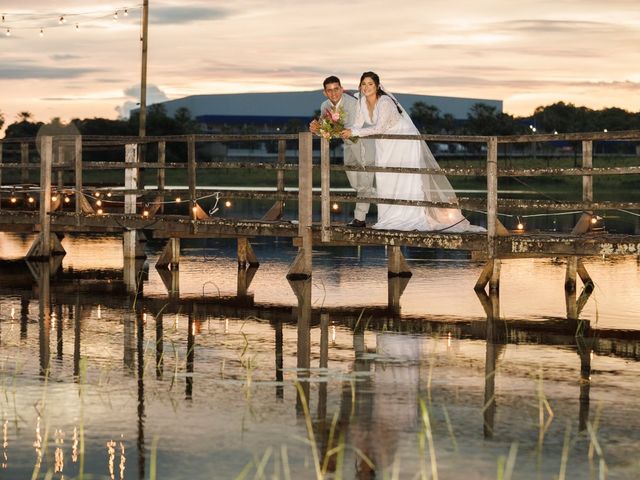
column 507, row 464
column 450, row 428
column 427, row 435
column 543, row 406
column 565, row 453
column 153, row 460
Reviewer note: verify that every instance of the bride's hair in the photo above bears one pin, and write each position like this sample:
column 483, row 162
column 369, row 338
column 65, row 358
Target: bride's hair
column 379, row 91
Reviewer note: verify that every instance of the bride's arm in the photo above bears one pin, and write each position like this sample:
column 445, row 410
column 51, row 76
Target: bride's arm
column 388, row 116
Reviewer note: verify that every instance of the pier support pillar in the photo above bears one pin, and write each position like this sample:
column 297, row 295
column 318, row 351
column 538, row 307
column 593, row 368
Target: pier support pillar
column 575, row 266
column 396, row 286
column 246, row 254
column 490, row 275
column 169, row 259
column 397, row 265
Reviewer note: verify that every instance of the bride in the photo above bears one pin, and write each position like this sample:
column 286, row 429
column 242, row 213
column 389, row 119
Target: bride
column 380, row 113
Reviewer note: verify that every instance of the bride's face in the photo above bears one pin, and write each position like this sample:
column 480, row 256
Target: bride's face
column 368, row 87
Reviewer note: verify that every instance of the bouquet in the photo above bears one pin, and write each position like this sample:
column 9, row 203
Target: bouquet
column 331, row 123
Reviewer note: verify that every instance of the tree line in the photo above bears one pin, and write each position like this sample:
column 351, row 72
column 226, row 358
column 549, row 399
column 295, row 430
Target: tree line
column 482, row 119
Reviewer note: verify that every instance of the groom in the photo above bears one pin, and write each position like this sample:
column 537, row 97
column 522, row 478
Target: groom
column 360, row 153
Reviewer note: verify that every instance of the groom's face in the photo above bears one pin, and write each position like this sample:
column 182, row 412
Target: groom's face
column 333, row 91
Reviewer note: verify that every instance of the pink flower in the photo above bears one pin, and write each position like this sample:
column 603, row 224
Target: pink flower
column 335, row 116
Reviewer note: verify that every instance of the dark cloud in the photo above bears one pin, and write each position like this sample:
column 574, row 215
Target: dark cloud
column 65, row 56
column 26, row 71
column 558, row 26
column 186, row 14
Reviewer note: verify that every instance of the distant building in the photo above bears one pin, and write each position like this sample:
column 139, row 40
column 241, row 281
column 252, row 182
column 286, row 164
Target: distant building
column 291, row 111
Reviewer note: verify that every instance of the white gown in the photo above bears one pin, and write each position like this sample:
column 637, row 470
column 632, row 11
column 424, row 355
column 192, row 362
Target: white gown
column 407, row 186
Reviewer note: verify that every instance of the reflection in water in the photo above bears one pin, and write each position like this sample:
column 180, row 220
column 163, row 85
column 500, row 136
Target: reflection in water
column 362, row 370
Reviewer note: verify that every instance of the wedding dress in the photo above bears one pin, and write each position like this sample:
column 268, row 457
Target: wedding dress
column 386, row 119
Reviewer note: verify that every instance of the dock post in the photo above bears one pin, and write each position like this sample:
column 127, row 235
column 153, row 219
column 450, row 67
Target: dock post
column 41, row 248
column 131, row 173
column 325, row 188
column 169, row 259
column 491, row 272
column 301, row 267
column 277, row 209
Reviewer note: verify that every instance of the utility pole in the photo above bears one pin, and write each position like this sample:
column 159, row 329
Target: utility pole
column 143, row 74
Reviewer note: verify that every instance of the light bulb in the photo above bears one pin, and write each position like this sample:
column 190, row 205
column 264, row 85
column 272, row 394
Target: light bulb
column 227, row 203
column 334, row 206
column 8, row 32
column 41, row 32
column 520, row 226
column 77, row 27
column 13, row 199
column 145, row 213
column 61, row 20
column 126, row 12
column 54, row 198
column 594, row 220
column 100, row 211
column 99, row 203
column 115, row 15
column 109, row 194
column 178, row 199
column 97, row 194
column 67, row 199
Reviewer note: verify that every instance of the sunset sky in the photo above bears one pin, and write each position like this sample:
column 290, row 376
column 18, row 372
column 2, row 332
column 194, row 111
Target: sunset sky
column 526, row 53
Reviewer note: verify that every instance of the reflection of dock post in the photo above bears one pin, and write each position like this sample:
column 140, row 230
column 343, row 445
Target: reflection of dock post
column 279, row 340
column 301, row 267
column 159, row 345
column 585, row 349
column 24, row 316
column 129, row 338
column 139, row 321
column 77, row 315
column 302, row 289
column 398, row 275
column 59, row 332
column 324, row 363
column 491, row 305
column 191, row 337
column 44, row 316
column 132, row 273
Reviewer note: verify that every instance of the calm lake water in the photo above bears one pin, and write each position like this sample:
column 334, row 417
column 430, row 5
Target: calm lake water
column 325, row 383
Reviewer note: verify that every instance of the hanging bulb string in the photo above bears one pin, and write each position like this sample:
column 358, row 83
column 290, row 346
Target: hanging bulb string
column 45, row 21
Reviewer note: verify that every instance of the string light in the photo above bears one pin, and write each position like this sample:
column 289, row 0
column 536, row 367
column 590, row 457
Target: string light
column 145, row 212
column 8, row 32
column 115, row 16
column 99, row 203
column 109, row 194
column 100, row 211
column 66, row 199
column 13, row 198
column 97, row 194
column 227, row 203
column 178, row 199
column 520, row 225
column 54, row 198
column 335, row 207
column 30, row 199
column 42, row 32
column 61, row 20
column 126, row 12
column 77, row 27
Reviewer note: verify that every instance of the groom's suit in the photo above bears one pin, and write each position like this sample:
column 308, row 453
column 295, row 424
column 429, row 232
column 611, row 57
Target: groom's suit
column 360, row 153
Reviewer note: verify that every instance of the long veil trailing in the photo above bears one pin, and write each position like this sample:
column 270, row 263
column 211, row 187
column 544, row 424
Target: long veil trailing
column 435, row 187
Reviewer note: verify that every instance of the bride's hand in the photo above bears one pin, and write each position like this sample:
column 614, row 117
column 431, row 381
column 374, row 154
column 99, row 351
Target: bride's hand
column 346, row 133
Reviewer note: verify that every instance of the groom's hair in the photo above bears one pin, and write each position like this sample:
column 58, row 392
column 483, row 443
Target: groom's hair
column 331, row 79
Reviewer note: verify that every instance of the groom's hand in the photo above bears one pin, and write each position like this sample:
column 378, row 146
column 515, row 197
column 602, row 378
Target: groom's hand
column 314, row 126
column 346, row 133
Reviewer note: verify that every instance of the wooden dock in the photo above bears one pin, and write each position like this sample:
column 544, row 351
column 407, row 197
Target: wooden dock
column 46, row 194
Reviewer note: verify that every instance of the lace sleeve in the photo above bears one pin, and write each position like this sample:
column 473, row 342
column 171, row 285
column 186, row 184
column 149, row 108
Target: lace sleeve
column 387, row 117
